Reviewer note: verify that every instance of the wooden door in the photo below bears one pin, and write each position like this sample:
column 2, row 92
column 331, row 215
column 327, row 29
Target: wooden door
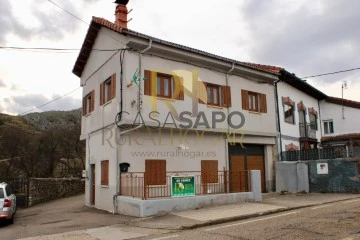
column 238, row 181
column 257, row 163
column 92, row 200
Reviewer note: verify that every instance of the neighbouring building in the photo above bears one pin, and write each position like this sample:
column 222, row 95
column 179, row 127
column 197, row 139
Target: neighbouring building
column 154, row 110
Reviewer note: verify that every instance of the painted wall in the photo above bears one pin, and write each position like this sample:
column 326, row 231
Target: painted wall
column 350, row 124
column 291, row 132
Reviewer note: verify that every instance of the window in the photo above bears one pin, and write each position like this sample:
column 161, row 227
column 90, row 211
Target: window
column 163, row 85
column 88, row 103
column 155, row 172
column 253, row 101
column 105, row 173
column 313, row 121
column 209, row 171
column 213, row 94
column 289, row 114
column 328, row 127
column 108, row 90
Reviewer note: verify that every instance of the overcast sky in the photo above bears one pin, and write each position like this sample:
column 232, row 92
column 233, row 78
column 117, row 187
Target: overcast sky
column 306, row 37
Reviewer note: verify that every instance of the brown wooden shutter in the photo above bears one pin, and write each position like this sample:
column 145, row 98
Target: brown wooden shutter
column 179, row 88
column 155, row 172
column 263, row 104
column 147, row 82
column 105, row 173
column 209, row 171
column 84, row 105
column 226, row 96
column 245, row 99
column 102, row 95
column 202, row 92
column 92, row 103
column 113, row 86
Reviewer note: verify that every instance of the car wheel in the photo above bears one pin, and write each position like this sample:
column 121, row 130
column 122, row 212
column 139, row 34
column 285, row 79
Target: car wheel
column 11, row 220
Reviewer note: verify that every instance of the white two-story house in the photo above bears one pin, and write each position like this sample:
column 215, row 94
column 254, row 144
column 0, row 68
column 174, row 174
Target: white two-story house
column 153, row 110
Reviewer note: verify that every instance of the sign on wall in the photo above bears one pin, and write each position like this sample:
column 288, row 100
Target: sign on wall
column 182, row 186
column 322, row 168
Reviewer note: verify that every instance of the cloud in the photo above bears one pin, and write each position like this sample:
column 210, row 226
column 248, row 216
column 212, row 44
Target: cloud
column 310, row 37
column 2, row 84
column 24, row 103
column 50, row 21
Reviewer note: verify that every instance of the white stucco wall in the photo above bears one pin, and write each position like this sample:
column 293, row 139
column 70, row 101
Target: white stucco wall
column 293, row 130
column 331, row 111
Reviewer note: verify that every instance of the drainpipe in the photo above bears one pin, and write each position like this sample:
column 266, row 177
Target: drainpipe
column 278, row 117
column 227, row 84
column 130, row 130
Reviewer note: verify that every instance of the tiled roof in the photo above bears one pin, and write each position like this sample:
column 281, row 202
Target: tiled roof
column 341, row 137
column 97, row 23
column 346, row 102
column 270, row 68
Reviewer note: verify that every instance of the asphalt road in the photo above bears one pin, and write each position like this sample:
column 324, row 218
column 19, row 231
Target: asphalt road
column 58, row 216
column 339, row 220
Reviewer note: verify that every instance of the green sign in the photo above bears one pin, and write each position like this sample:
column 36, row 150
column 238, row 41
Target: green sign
column 182, row 186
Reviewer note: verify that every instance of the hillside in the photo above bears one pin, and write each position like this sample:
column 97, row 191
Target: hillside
column 35, row 122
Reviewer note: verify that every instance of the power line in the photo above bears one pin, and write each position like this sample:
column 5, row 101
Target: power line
column 331, row 73
column 42, row 105
column 43, row 49
column 73, row 15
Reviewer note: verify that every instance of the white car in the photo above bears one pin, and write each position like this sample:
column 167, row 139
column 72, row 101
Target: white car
column 7, row 203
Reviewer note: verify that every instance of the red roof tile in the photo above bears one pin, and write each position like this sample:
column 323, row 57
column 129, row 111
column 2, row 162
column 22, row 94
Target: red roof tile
column 346, row 102
column 341, row 137
column 270, row 68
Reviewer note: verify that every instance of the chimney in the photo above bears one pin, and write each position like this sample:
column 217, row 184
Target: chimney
column 121, row 13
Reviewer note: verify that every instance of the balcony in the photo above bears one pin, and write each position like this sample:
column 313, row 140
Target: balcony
column 306, row 131
column 136, row 184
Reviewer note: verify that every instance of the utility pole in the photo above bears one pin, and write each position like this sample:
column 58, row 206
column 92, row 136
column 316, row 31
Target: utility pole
column 343, row 86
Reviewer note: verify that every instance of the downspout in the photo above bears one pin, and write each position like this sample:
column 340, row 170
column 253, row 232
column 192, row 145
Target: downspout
column 320, row 122
column 228, row 126
column 140, row 124
column 278, row 118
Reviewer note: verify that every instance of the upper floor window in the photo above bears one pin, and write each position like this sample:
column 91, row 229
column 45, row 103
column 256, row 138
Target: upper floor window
column 213, row 94
column 163, row 85
column 328, row 127
column 313, row 119
column 108, row 90
column 253, row 101
column 289, row 110
column 88, row 103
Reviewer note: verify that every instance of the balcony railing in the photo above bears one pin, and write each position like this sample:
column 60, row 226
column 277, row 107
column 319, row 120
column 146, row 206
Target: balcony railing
column 315, row 154
column 306, row 131
column 135, row 184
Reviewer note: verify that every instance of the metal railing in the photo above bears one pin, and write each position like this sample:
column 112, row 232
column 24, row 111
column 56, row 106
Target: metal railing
column 136, row 184
column 306, row 131
column 314, row 154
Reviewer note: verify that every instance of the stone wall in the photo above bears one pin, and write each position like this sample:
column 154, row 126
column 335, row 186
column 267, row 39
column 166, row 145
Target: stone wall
column 47, row 189
column 343, row 176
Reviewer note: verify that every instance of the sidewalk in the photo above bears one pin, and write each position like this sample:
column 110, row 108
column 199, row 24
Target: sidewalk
column 143, row 227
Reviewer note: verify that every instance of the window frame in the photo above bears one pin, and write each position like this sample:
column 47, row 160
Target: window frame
column 211, row 99
column 104, row 179
column 161, row 77
column 251, row 104
column 107, row 90
column 327, row 127
column 313, row 124
column 291, row 107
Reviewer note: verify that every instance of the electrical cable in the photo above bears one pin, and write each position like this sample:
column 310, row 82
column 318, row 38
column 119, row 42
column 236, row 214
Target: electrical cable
column 73, row 15
column 332, row 73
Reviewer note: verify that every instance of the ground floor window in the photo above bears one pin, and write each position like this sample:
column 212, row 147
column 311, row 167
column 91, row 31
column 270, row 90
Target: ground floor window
column 155, row 172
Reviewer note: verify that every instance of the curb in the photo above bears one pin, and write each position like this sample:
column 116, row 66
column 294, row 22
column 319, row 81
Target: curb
column 243, row 217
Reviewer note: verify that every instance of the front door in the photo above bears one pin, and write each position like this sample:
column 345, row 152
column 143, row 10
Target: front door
column 92, row 199
column 238, row 180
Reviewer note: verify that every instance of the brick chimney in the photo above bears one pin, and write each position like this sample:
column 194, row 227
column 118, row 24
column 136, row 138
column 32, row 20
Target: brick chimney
column 121, row 13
